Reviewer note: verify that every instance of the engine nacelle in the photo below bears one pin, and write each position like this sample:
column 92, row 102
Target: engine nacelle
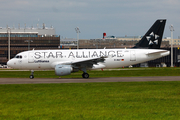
column 61, row 70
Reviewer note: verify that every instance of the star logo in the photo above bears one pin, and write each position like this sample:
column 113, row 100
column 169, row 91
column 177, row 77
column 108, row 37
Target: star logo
column 152, row 38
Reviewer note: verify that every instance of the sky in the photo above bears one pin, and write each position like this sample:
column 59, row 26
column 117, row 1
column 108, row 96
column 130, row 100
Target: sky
column 93, row 17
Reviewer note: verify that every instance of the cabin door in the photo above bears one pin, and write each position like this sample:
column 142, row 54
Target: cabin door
column 30, row 57
column 132, row 55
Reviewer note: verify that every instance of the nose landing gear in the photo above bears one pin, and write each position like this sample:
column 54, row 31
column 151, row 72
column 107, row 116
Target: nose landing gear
column 32, row 74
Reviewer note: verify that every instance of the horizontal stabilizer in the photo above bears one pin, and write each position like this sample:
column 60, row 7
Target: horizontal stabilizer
column 156, row 52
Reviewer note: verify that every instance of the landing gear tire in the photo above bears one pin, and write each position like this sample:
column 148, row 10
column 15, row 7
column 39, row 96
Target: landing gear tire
column 31, row 76
column 85, row 75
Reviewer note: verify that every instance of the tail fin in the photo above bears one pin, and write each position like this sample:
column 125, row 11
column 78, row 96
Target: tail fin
column 153, row 38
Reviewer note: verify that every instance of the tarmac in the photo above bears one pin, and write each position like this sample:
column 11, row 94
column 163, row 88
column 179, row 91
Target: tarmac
column 89, row 80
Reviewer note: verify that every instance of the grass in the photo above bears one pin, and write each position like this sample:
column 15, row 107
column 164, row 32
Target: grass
column 104, row 101
column 91, row 101
column 128, row 72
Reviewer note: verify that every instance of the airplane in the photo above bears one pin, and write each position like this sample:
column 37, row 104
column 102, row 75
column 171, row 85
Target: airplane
column 64, row 62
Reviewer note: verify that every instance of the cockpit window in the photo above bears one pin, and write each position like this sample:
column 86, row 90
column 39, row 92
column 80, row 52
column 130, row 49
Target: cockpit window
column 18, row 56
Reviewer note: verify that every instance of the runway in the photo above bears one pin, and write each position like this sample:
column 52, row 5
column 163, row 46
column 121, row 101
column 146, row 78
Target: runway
column 90, row 80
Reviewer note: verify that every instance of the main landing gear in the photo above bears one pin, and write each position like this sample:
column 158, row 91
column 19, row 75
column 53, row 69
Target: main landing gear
column 32, row 74
column 85, row 75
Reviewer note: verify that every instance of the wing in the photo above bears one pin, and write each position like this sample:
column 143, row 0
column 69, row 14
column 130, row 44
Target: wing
column 84, row 63
column 88, row 63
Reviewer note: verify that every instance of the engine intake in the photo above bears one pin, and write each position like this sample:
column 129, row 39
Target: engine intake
column 61, row 70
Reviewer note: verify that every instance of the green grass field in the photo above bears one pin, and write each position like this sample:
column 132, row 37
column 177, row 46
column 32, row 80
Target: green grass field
column 90, row 101
column 123, row 72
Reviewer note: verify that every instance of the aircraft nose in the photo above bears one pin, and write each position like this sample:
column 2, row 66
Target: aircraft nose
column 9, row 63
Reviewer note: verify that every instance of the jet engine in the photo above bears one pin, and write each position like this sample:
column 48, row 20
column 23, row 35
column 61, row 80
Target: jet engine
column 61, row 70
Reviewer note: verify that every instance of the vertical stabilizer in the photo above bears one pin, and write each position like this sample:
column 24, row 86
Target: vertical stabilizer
column 153, row 38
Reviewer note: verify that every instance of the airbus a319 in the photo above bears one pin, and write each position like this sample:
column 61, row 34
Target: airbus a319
column 64, row 62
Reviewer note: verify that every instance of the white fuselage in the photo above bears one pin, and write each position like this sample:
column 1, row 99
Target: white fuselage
column 114, row 58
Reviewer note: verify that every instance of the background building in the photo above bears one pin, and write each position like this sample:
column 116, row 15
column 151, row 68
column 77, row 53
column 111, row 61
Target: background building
column 104, row 43
column 21, row 38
